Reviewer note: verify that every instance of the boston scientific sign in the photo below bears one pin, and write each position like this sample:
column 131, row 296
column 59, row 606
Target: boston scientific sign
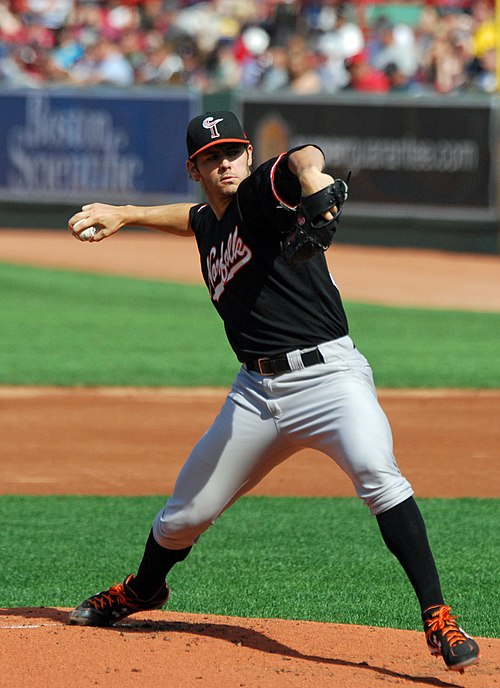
column 66, row 145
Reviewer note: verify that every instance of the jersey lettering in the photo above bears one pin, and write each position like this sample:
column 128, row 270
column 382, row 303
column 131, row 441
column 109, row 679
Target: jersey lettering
column 223, row 267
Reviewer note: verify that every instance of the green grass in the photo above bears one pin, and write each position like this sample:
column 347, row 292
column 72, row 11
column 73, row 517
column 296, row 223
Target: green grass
column 301, row 558
column 63, row 328
column 428, row 348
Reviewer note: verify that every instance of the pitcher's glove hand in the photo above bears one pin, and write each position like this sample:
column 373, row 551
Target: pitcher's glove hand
column 312, row 233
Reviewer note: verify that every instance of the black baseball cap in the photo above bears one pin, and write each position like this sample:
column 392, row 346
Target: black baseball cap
column 213, row 128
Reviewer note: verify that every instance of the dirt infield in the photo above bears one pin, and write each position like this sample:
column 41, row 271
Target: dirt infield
column 83, row 441
column 396, row 276
column 133, row 442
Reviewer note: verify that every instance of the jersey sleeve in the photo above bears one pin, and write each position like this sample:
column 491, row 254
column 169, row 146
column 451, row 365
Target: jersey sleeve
column 195, row 216
column 284, row 184
column 272, row 184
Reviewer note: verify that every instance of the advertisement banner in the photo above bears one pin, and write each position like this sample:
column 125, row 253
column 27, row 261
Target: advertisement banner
column 112, row 146
column 413, row 157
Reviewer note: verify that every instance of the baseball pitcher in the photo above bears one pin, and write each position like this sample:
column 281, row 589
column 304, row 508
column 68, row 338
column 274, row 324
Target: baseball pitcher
column 261, row 237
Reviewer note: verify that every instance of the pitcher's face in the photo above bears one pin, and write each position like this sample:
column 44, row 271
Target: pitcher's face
column 220, row 169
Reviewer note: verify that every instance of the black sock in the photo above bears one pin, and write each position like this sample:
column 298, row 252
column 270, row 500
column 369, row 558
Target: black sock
column 156, row 563
column 404, row 533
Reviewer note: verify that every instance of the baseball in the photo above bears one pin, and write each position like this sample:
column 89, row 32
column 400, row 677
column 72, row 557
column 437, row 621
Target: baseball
column 88, row 233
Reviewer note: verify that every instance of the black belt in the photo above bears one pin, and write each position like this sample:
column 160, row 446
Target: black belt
column 280, row 364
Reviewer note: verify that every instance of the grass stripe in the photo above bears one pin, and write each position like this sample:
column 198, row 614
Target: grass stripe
column 303, row 558
column 64, row 328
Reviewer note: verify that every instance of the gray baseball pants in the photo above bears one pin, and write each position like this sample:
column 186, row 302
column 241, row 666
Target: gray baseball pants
column 331, row 407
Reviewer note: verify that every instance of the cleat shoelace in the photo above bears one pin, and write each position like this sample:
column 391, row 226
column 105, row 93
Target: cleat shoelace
column 444, row 622
column 112, row 596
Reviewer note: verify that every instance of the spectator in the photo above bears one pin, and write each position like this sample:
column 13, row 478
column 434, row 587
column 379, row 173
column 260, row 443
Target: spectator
column 395, row 45
column 344, row 40
column 13, row 69
column 194, row 71
column 425, row 35
column 223, row 68
column 250, row 51
column 11, row 26
column 398, row 82
column 161, row 66
column 486, row 77
column 268, row 44
column 303, row 77
column 364, row 77
column 483, row 28
column 103, row 64
column 275, row 76
column 67, row 51
column 482, row 66
column 90, row 22
column 449, row 56
column 133, row 45
column 53, row 14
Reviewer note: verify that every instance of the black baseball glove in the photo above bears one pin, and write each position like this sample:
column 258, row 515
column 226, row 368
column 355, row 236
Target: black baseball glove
column 311, row 233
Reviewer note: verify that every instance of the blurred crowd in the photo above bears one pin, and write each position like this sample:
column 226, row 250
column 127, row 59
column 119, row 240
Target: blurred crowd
column 304, row 47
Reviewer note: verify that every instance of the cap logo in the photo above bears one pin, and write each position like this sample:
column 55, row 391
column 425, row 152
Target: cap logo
column 211, row 123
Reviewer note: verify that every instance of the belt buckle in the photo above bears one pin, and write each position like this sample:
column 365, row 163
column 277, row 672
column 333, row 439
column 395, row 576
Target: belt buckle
column 259, row 364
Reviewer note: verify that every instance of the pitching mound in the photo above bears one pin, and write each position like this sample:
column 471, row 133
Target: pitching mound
column 169, row 649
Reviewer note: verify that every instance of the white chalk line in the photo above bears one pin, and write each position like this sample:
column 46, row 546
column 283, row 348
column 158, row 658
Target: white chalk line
column 23, row 626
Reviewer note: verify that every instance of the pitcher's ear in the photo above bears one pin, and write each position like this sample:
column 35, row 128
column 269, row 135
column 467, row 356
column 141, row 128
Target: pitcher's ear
column 192, row 170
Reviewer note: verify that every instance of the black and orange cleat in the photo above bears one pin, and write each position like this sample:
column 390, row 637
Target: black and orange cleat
column 110, row 606
column 445, row 637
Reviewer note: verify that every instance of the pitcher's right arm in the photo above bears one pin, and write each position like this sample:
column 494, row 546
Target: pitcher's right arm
column 108, row 219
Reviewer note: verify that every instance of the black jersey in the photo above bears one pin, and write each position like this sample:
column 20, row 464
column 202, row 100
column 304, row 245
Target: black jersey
column 268, row 307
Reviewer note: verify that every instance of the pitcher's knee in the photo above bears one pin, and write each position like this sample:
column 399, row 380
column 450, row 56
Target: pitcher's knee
column 177, row 529
column 386, row 496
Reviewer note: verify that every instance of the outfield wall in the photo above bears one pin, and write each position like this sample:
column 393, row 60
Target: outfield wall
column 424, row 169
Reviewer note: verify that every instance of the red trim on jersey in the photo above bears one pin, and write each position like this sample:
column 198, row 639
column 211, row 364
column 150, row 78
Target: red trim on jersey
column 273, row 186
